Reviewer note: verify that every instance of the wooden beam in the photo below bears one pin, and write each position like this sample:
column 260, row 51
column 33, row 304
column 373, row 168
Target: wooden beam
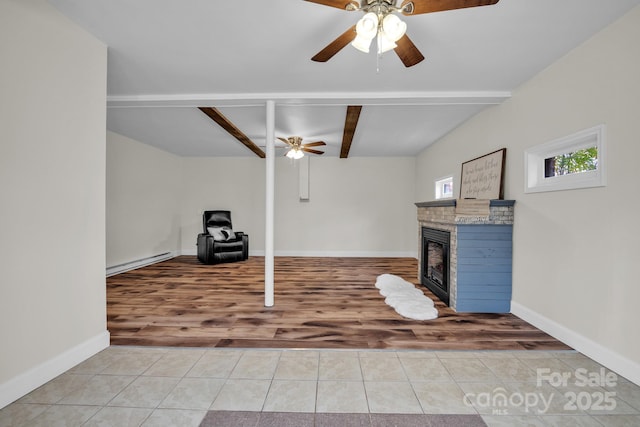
column 220, row 119
column 350, row 123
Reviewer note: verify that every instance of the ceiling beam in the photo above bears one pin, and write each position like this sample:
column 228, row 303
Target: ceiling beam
column 306, row 98
column 350, row 123
column 220, row 119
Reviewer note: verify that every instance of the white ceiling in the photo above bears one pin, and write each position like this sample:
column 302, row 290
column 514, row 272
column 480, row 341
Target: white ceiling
column 167, row 57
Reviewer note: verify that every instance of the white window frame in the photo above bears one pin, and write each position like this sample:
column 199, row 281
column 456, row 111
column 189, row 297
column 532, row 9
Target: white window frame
column 439, row 187
column 534, row 158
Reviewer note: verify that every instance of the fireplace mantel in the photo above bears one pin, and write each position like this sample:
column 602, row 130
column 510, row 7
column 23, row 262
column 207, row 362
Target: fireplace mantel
column 480, row 253
column 452, row 202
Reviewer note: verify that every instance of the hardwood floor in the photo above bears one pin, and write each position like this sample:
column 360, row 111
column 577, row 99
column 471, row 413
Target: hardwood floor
column 319, row 303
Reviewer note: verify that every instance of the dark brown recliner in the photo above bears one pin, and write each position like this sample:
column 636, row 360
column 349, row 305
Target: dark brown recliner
column 218, row 242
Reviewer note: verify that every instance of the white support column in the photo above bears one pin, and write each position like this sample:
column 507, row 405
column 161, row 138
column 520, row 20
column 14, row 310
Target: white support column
column 269, row 202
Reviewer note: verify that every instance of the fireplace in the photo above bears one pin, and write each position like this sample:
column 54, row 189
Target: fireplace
column 435, row 262
column 473, row 252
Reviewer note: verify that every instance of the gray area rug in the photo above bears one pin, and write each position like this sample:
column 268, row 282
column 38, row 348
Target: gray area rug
column 305, row 419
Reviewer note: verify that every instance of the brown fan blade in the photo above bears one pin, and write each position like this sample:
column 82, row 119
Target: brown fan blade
column 314, row 144
column 429, row 6
column 408, row 52
column 350, row 123
column 340, row 4
column 286, row 141
column 335, row 46
column 310, row 150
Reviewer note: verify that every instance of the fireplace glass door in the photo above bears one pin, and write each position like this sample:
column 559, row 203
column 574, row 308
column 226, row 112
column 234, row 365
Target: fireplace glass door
column 435, row 262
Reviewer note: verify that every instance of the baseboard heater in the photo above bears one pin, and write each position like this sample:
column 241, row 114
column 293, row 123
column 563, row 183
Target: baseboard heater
column 132, row 265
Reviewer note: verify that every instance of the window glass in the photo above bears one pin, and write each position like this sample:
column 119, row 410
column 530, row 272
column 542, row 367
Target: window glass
column 575, row 162
column 444, row 188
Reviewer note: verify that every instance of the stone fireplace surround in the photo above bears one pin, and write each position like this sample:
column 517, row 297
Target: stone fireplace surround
column 483, row 284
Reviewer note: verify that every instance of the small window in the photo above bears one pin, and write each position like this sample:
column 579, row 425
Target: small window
column 444, row 188
column 576, row 161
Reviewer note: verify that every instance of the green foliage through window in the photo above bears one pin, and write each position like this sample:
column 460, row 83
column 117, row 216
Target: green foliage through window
column 578, row 161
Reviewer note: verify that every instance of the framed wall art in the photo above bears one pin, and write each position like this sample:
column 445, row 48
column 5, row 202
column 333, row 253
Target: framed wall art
column 483, row 177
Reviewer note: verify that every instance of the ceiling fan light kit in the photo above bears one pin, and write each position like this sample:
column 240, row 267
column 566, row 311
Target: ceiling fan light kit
column 381, row 21
column 388, row 29
column 295, row 154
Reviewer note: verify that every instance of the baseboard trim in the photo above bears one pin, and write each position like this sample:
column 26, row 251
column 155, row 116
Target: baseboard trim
column 345, row 254
column 28, row 381
column 328, row 254
column 601, row 354
column 132, row 265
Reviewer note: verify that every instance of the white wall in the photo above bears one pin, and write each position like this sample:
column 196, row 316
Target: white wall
column 358, row 206
column 574, row 253
column 143, row 216
column 236, row 184
column 52, row 168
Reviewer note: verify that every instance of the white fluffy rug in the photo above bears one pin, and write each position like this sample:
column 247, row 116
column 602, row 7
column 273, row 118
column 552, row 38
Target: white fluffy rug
column 405, row 298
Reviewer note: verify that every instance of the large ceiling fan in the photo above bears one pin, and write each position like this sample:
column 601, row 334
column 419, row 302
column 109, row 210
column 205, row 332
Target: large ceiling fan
column 381, row 22
column 297, row 148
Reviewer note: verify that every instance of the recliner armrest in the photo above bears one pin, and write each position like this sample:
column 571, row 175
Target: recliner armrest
column 239, row 236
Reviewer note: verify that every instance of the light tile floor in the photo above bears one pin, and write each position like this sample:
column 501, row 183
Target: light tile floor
column 146, row 386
